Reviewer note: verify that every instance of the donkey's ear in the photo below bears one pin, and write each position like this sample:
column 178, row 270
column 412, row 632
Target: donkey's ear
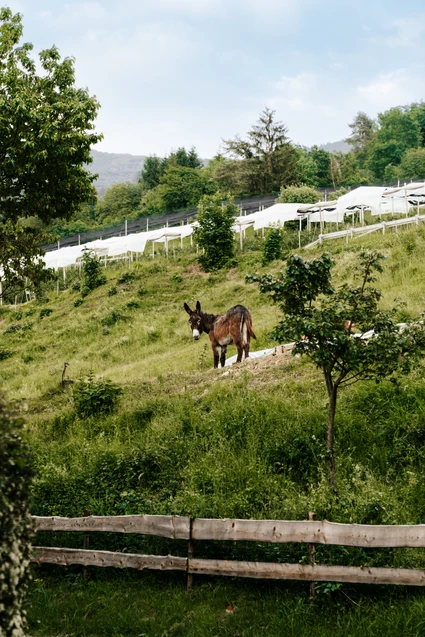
column 198, row 307
column 187, row 308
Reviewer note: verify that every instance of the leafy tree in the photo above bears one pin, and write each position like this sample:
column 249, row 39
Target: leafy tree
column 46, row 131
column 268, row 150
column 363, row 130
column 93, row 276
column 382, row 155
column 398, row 126
column 183, row 187
column 181, row 157
column 214, row 233
column 322, row 161
column 22, row 266
column 321, row 320
column 273, row 245
column 298, row 194
column 152, row 171
column 120, row 202
column 412, row 164
column 15, row 526
column 305, row 167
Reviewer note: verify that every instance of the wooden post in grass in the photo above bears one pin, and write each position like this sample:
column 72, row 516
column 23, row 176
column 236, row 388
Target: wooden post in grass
column 312, row 559
column 190, row 555
column 86, row 543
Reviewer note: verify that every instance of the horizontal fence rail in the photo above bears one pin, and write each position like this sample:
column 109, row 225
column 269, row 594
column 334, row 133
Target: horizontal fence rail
column 363, row 230
column 310, row 532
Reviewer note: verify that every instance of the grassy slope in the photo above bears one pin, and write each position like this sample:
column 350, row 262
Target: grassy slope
column 186, row 439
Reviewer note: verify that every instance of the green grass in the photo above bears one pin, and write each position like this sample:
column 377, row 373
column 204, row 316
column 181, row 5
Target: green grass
column 159, row 606
column 186, row 439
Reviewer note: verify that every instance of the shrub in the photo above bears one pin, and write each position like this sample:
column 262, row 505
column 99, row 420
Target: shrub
column 298, row 194
column 214, row 233
column 112, row 318
column 5, row 353
column 93, row 276
column 112, row 291
column 46, row 311
column 94, row 397
column 273, row 245
column 78, row 302
column 133, row 305
column 177, row 278
column 15, row 526
column 141, row 292
column 25, row 327
column 76, row 287
column 128, row 277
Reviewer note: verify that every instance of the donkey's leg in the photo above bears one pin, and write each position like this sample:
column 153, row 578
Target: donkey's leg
column 216, row 355
column 246, row 350
column 240, row 351
column 223, row 355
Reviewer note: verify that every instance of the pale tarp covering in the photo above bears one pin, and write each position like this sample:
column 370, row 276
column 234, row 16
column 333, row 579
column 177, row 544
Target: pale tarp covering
column 259, row 354
column 277, row 214
column 179, row 232
column 63, row 257
column 328, row 216
column 368, row 197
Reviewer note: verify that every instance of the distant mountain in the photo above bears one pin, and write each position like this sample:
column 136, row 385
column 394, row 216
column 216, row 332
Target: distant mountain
column 115, row 168
column 335, row 147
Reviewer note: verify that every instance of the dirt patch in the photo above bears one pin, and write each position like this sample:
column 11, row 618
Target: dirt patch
column 281, row 356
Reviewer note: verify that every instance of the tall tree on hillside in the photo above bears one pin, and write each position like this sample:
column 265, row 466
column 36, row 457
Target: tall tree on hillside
column 152, row 171
column 120, row 202
column 181, row 157
column 322, row 161
column 269, row 152
column 363, row 129
column 46, row 132
column 321, row 320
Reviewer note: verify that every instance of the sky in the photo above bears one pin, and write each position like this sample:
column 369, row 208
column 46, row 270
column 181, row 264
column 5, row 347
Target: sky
column 171, row 73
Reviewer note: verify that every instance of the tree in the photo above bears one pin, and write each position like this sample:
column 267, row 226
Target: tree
column 152, row 171
column 298, row 194
column 322, row 161
column 214, row 234
column 273, row 245
column 183, row 187
column 412, row 164
column 268, row 150
column 46, row 132
column 120, row 202
column 321, row 320
column 363, row 130
column 15, row 526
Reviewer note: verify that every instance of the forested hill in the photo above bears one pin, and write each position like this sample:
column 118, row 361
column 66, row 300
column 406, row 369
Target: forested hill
column 115, row 168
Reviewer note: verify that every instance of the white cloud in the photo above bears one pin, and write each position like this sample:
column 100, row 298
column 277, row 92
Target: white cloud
column 392, row 89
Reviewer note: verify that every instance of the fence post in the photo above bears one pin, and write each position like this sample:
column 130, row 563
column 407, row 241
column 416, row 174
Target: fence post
column 86, row 543
column 190, row 554
column 312, row 559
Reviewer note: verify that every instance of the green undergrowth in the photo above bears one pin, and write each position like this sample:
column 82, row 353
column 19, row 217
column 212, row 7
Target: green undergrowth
column 184, row 439
column 159, row 606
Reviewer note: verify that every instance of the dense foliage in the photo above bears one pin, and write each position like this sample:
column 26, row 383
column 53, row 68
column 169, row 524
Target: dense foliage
column 15, row 526
column 93, row 276
column 214, row 233
column 46, row 132
column 321, row 320
column 95, row 397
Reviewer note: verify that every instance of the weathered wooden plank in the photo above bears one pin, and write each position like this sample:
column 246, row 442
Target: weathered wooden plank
column 311, row 532
column 307, row 572
column 66, row 557
column 170, row 526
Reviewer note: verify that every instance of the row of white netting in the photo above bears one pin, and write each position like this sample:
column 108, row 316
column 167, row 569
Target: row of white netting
column 378, row 200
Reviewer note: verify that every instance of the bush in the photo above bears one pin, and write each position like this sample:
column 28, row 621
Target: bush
column 298, row 194
column 5, row 353
column 78, row 302
column 15, row 526
column 112, row 291
column 133, row 305
column 93, row 397
column 93, row 276
column 46, row 311
column 214, row 234
column 273, row 245
column 113, row 317
column 128, row 277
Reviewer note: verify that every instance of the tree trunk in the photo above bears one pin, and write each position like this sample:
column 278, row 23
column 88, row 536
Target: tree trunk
column 331, row 433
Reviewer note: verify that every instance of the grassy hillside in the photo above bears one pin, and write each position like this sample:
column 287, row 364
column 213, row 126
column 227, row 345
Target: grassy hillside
column 186, row 438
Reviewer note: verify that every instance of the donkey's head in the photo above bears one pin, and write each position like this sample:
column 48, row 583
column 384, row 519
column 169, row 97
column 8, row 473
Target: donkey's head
column 195, row 320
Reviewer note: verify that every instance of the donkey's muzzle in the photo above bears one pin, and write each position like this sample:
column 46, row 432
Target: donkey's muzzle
column 196, row 335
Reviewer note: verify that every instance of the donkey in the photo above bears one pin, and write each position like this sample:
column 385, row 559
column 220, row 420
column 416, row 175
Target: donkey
column 234, row 327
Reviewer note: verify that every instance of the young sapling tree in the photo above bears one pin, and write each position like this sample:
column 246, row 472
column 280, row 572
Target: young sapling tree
column 342, row 330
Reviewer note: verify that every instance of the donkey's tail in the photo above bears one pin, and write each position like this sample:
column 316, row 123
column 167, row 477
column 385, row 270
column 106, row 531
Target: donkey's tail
column 246, row 325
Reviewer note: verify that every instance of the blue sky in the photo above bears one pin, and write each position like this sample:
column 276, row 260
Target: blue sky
column 172, row 73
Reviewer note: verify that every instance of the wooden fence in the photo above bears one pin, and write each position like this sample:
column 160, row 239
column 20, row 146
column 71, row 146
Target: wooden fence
column 361, row 231
column 192, row 530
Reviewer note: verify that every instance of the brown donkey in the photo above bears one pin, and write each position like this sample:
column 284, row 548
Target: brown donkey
column 233, row 327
